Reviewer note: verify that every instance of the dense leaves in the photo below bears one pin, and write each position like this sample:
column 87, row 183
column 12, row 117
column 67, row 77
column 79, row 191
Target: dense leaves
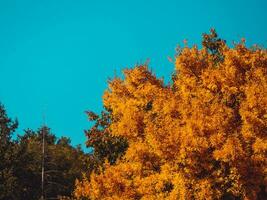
column 21, row 162
column 105, row 146
column 214, row 45
column 63, row 164
column 8, row 180
column 202, row 137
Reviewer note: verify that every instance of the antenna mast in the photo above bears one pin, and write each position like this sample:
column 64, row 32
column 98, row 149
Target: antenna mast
column 43, row 154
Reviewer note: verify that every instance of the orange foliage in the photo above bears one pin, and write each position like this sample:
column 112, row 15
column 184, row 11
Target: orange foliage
column 201, row 137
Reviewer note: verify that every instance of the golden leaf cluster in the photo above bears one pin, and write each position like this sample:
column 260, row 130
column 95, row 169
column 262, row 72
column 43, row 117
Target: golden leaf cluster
column 204, row 136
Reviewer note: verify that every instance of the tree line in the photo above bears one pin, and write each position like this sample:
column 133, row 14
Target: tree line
column 21, row 159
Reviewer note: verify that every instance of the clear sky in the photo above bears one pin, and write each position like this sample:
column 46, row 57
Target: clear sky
column 58, row 54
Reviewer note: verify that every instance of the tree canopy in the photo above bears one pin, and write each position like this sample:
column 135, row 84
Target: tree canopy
column 63, row 164
column 8, row 181
column 204, row 136
column 21, row 163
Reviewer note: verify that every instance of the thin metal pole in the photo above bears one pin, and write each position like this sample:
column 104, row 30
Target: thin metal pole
column 43, row 155
column 43, row 151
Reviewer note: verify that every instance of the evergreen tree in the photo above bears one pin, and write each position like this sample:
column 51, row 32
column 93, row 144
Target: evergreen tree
column 63, row 164
column 8, row 181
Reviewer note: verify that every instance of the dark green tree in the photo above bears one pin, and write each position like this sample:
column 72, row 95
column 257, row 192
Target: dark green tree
column 63, row 164
column 105, row 146
column 8, row 181
column 28, row 166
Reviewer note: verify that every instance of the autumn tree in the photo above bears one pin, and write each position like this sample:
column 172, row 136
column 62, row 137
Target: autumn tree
column 201, row 137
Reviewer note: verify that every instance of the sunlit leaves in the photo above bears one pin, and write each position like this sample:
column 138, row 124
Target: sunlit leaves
column 202, row 137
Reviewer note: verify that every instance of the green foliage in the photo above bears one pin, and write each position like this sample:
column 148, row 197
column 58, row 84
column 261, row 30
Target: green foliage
column 63, row 164
column 20, row 162
column 7, row 156
column 104, row 144
column 214, row 45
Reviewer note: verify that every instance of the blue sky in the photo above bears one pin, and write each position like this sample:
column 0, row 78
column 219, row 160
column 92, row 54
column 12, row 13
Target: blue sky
column 56, row 55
